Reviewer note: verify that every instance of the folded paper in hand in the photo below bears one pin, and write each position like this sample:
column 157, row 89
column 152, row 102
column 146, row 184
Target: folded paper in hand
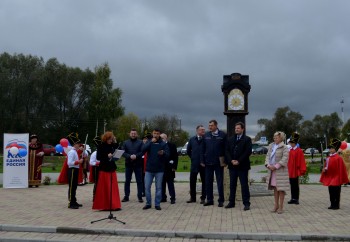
column 118, row 153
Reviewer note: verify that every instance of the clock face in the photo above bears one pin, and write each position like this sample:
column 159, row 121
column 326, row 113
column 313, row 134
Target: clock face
column 235, row 100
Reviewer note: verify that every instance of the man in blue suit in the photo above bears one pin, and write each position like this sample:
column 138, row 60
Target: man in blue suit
column 194, row 148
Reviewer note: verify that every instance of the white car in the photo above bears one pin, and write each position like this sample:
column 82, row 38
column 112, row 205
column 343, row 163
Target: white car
column 308, row 151
column 184, row 149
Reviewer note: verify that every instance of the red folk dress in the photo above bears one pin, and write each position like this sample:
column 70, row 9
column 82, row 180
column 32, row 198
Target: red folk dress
column 107, row 191
column 336, row 174
column 296, row 163
column 63, row 177
column 35, row 162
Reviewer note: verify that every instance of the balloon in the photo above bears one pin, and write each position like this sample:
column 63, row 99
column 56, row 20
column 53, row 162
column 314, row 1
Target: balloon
column 14, row 150
column 64, row 142
column 22, row 152
column 343, row 145
column 67, row 149
column 59, row 148
column 348, row 146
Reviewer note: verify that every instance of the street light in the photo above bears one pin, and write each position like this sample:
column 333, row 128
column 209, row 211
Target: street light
column 321, row 143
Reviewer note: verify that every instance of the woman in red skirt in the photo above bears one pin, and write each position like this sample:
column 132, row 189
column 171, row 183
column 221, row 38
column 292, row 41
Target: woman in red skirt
column 107, row 190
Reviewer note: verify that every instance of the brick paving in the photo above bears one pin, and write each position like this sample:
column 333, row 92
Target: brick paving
column 45, row 208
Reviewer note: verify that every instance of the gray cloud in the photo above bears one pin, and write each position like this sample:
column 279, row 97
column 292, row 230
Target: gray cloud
column 170, row 56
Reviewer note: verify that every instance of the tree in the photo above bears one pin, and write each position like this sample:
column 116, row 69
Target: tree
column 169, row 125
column 284, row 120
column 105, row 102
column 124, row 124
column 52, row 99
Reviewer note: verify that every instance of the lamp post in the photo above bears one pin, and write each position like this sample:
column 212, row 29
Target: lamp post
column 321, row 143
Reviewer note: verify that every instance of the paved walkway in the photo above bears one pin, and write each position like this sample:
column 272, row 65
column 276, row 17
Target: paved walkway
column 41, row 214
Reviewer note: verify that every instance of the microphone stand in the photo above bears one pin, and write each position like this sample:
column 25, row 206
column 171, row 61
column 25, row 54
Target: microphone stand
column 110, row 216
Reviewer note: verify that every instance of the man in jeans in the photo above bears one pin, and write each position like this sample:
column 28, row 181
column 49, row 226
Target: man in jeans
column 158, row 152
column 133, row 164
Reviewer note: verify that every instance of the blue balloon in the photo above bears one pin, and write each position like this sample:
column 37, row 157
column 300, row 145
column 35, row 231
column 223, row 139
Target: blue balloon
column 59, row 148
column 22, row 152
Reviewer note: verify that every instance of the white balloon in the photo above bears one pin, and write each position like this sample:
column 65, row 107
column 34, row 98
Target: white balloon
column 14, row 150
column 67, row 149
column 348, row 147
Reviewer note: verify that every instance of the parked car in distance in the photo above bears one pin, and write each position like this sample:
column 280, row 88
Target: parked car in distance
column 260, row 150
column 179, row 150
column 325, row 151
column 49, row 149
column 308, row 151
column 184, row 149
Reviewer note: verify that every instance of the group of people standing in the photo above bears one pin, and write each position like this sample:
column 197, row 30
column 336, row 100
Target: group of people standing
column 155, row 158
column 210, row 152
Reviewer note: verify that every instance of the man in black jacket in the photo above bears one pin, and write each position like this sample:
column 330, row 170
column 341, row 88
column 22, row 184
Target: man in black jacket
column 169, row 171
column 133, row 163
column 194, row 148
column 238, row 150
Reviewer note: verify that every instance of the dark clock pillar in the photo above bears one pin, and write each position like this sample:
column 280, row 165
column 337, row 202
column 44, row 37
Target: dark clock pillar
column 235, row 89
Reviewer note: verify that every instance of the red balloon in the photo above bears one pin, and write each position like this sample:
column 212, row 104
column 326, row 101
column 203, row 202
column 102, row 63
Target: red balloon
column 64, row 142
column 343, row 145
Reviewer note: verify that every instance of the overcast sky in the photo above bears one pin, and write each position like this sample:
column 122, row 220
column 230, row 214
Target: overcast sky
column 170, row 56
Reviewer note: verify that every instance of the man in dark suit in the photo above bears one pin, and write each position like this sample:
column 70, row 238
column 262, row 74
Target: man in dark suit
column 238, row 150
column 194, row 148
column 169, row 171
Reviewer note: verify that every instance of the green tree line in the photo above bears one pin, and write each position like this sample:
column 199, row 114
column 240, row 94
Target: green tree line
column 312, row 132
column 52, row 99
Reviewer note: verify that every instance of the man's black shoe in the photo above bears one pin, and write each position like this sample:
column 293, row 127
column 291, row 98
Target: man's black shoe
column 140, row 200
column 125, row 199
column 163, row 200
column 73, row 206
column 78, row 204
column 202, row 201
column 191, row 201
column 158, row 207
column 246, row 208
column 230, row 205
column 146, row 207
column 293, row 201
column 172, row 201
column 208, row 204
column 221, row 204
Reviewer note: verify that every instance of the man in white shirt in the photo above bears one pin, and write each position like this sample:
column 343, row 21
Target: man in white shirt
column 73, row 171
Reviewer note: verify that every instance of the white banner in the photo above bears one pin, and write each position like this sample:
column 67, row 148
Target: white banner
column 15, row 161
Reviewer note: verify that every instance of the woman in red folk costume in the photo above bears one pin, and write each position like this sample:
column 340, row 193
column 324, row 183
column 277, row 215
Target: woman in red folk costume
column 296, row 167
column 107, row 191
column 334, row 174
column 36, row 154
